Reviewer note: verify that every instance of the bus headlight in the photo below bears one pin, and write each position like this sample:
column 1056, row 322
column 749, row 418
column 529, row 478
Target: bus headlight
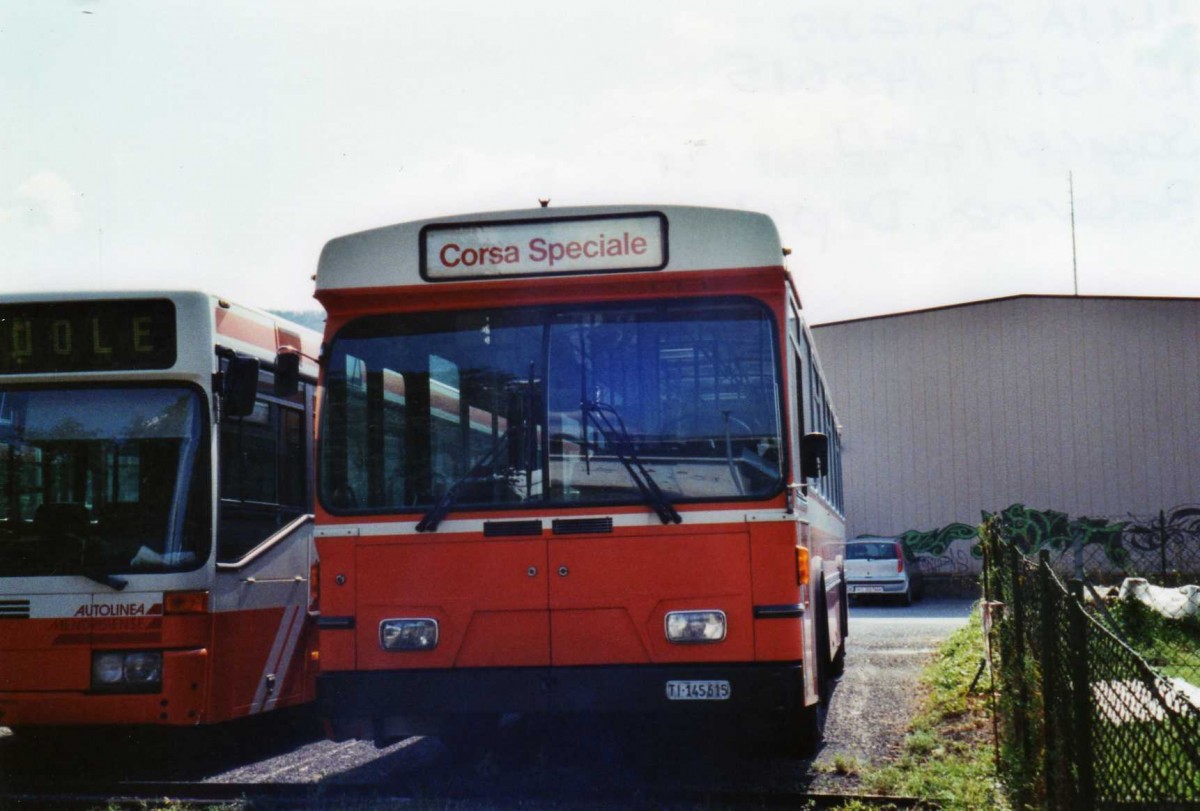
column 107, row 668
column 687, row 627
column 143, row 668
column 127, row 671
column 408, row 634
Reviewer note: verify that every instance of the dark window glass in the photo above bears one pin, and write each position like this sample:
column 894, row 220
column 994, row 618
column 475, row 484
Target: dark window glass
column 105, row 480
column 883, row 550
column 263, row 476
column 552, row 406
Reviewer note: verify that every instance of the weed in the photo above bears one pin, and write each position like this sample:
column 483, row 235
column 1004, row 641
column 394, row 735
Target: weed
column 948, row 753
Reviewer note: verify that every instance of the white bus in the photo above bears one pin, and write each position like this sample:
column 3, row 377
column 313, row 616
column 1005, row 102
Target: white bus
column 155, row 509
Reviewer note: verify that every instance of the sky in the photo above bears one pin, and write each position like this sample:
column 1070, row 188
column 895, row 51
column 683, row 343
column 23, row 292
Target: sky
column 913, row 154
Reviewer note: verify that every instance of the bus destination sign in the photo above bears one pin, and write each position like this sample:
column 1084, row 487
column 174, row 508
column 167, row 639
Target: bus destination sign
column 87, row 336
column 546, row 247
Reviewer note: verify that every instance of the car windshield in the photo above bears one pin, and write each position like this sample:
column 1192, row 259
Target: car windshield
column 102, row 481
column 657, row 403
column 879, row 550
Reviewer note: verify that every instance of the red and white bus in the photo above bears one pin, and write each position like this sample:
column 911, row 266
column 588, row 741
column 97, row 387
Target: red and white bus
column 574, row 461
column 155, row 509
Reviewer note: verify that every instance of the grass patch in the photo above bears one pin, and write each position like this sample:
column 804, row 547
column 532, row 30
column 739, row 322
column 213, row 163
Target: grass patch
column 1170, row 646
column 948, row 756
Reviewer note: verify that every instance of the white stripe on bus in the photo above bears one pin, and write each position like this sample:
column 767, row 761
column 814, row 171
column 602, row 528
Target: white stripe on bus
column 281, row 636
column 707, row 517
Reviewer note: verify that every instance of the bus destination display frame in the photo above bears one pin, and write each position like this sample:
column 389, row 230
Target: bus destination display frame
column 87, row 336
column 545, row 246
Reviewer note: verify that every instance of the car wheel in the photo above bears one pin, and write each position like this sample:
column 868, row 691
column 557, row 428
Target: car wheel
column 906, row 599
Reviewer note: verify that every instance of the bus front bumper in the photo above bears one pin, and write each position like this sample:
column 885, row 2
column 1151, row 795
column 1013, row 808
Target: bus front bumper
column 385, row 705
column 180, row 702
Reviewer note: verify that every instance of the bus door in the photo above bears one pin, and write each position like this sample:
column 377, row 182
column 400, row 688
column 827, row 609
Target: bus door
column 264, row 542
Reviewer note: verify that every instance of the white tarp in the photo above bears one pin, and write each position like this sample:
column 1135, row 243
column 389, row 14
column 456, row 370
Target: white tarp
column 1174, row 603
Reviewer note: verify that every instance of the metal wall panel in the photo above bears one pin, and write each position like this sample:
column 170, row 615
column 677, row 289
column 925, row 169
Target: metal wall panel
column 1090, row 406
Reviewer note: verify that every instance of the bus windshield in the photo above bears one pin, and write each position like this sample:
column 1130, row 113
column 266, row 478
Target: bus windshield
column 644, row 402
column 102, row 481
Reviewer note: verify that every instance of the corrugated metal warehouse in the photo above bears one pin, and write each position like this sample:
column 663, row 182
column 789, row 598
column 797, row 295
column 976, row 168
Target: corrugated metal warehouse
column 1086, row 405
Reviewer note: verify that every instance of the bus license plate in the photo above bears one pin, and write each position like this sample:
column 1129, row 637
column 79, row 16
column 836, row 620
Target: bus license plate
column 698, row 690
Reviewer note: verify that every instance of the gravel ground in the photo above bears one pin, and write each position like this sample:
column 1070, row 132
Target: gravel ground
column 566, row 762
column 868, row 715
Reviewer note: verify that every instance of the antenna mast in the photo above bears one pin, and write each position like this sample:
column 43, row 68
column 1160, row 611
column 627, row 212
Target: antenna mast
column 1074, row 259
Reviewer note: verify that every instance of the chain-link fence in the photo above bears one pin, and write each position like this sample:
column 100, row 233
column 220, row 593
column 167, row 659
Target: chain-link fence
column 1083, row 720
column 1141, row 576
column 1150, row 595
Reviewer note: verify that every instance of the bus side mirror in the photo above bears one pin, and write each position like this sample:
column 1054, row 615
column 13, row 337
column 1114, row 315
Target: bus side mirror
column 287, row 373
column 814, row 455
column 241, row 385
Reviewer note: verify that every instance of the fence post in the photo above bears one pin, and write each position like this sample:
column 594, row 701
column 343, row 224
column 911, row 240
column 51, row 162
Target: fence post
column 1162, row 537
column 1050, row 695
column 1081, row 699
column 985, row 547
column 1021, row 708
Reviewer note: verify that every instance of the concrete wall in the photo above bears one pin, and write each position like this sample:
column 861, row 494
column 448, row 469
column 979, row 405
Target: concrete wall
column 1090, row 406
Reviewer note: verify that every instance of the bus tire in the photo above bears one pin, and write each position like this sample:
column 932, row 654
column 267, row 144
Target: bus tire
column 824, row 660
column 803, row 736
column 468, row 738
column 837, row 666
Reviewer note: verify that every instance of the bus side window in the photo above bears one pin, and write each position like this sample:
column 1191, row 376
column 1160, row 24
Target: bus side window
column 263, row 477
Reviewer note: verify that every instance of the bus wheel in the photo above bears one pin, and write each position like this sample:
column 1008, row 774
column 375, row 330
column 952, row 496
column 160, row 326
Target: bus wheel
column 824, row 660
column 470, row 737
column 838, row 666
column 802, row 738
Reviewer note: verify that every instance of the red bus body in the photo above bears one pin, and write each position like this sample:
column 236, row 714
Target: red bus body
column 559, row 594
column 137, row 585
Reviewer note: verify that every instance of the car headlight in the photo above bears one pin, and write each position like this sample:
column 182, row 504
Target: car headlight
column 689, row 627
column 408, row 634
column 127, row 671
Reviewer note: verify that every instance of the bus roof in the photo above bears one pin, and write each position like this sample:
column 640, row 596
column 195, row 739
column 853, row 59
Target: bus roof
column 550, row 242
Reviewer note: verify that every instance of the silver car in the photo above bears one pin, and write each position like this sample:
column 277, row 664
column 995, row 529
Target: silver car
column 877, row 566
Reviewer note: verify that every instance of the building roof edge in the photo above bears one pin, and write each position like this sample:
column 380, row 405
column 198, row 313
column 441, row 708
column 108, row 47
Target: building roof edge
column 997, row 300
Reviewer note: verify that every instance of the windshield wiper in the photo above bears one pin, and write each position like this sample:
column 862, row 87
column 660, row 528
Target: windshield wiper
column 110, row 580
column 438, row 511
column 521, row 421
column 612, row 427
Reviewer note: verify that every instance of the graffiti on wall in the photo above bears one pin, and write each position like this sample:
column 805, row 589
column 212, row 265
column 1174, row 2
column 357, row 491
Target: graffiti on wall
column 1165, row 545
column 1034, row 530
column 943, row 551
column 946, row 549
column 1153, row 533
column 935, row 542
column 1129, row 544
